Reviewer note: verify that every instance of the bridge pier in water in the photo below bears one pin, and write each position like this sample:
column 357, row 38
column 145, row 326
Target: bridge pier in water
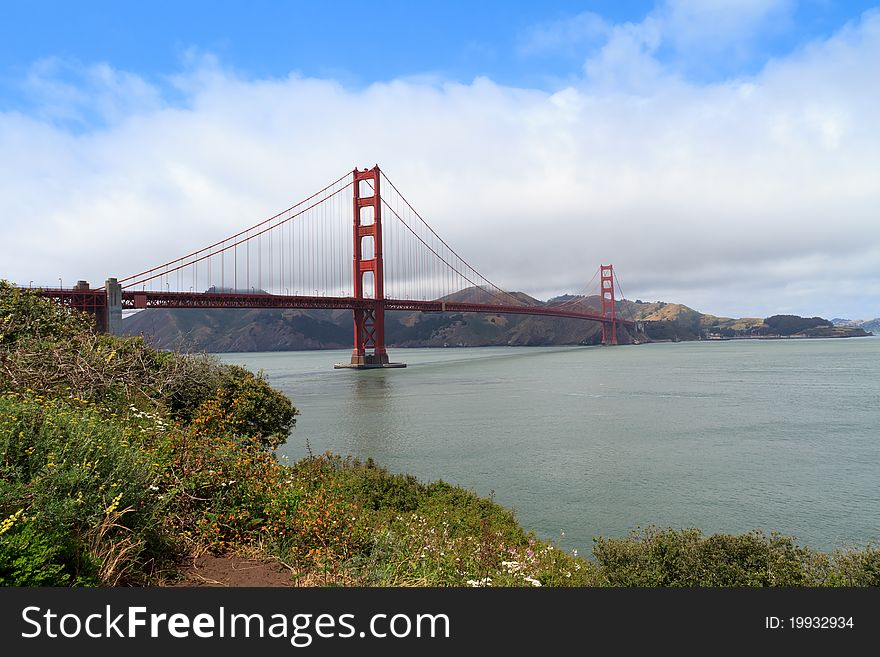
column 369, row 312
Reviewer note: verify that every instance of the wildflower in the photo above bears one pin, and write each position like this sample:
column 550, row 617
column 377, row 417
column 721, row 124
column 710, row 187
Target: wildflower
column 114, row 504
column 6, row 525
column 532, row 581
column 486, row 581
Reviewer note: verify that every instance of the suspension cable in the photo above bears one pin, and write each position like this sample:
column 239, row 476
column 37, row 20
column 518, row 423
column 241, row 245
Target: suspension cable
column 238, row 234
column 409, row 228
column 234, row 244
column 443, row 242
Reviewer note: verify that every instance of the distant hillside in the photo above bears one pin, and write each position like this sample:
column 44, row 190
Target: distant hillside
column 242, row 329
column 273, row 330
column 865, row 324
column 689, row 324
column 283, row 330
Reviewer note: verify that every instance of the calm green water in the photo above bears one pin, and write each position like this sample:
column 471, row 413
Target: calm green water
column 725, row 436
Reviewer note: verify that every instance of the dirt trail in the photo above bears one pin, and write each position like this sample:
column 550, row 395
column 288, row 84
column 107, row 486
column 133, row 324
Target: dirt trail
column 209, row 570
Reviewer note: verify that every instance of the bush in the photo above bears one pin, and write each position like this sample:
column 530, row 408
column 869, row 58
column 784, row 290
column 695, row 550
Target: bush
column 51, row 350
column 83, row 491
column 26, row 316
column 668, row 557
column 29, row 557
column 855, row 567
column 255, row 409
column 371, row 486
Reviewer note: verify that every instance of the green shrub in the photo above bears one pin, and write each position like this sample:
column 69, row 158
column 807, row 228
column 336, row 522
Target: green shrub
column 254, row 408
column 856, row 567
column 51, row 350
column 669, row 557
column 469, row 514
column 29, row 557
column 26, row 316
column 84, row 485
column 372, row 487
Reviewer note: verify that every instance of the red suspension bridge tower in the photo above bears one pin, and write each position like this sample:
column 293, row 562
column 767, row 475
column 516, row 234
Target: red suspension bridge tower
column 606, row 289
column 368, row 271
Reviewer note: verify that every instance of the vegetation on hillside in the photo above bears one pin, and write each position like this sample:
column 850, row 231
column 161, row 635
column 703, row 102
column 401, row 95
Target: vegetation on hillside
column 791, row 324
column 677, row 322
column 119, row 462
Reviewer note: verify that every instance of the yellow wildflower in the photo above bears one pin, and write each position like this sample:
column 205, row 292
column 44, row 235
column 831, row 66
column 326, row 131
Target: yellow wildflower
column 6, row 525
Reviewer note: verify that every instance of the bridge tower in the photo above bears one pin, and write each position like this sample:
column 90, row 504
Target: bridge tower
column 606, row 287
column 369, row 276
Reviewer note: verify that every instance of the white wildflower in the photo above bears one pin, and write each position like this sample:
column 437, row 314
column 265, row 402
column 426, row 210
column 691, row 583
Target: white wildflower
column 486, row 581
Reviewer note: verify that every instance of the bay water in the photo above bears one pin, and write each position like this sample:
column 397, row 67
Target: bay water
column 726, row 436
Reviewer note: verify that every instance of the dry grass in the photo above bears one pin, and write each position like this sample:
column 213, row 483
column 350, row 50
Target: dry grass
column 116, row 554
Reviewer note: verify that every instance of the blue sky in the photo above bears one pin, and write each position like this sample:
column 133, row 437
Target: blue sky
column 722, row 152
column 354, row 41
column 359, row 43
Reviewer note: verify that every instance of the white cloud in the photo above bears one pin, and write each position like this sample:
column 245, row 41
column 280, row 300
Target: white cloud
column 565, row 35
column 715, row 26
column 745, row 197
column 78, row 94
column 692, row 38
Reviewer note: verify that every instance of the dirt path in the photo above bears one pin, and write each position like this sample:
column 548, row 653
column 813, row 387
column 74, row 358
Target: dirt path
column 209, row 570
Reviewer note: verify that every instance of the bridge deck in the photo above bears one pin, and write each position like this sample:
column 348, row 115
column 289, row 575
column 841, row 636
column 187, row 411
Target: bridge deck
column 152, row 299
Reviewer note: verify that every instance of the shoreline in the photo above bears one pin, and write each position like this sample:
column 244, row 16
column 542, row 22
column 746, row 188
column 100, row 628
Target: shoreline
column 772, row 337
column 557, row 346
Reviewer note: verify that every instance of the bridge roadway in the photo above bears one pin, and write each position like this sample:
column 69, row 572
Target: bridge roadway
column 152, row 299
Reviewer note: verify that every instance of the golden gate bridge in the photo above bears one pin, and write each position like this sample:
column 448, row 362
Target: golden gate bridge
column 356, row 244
